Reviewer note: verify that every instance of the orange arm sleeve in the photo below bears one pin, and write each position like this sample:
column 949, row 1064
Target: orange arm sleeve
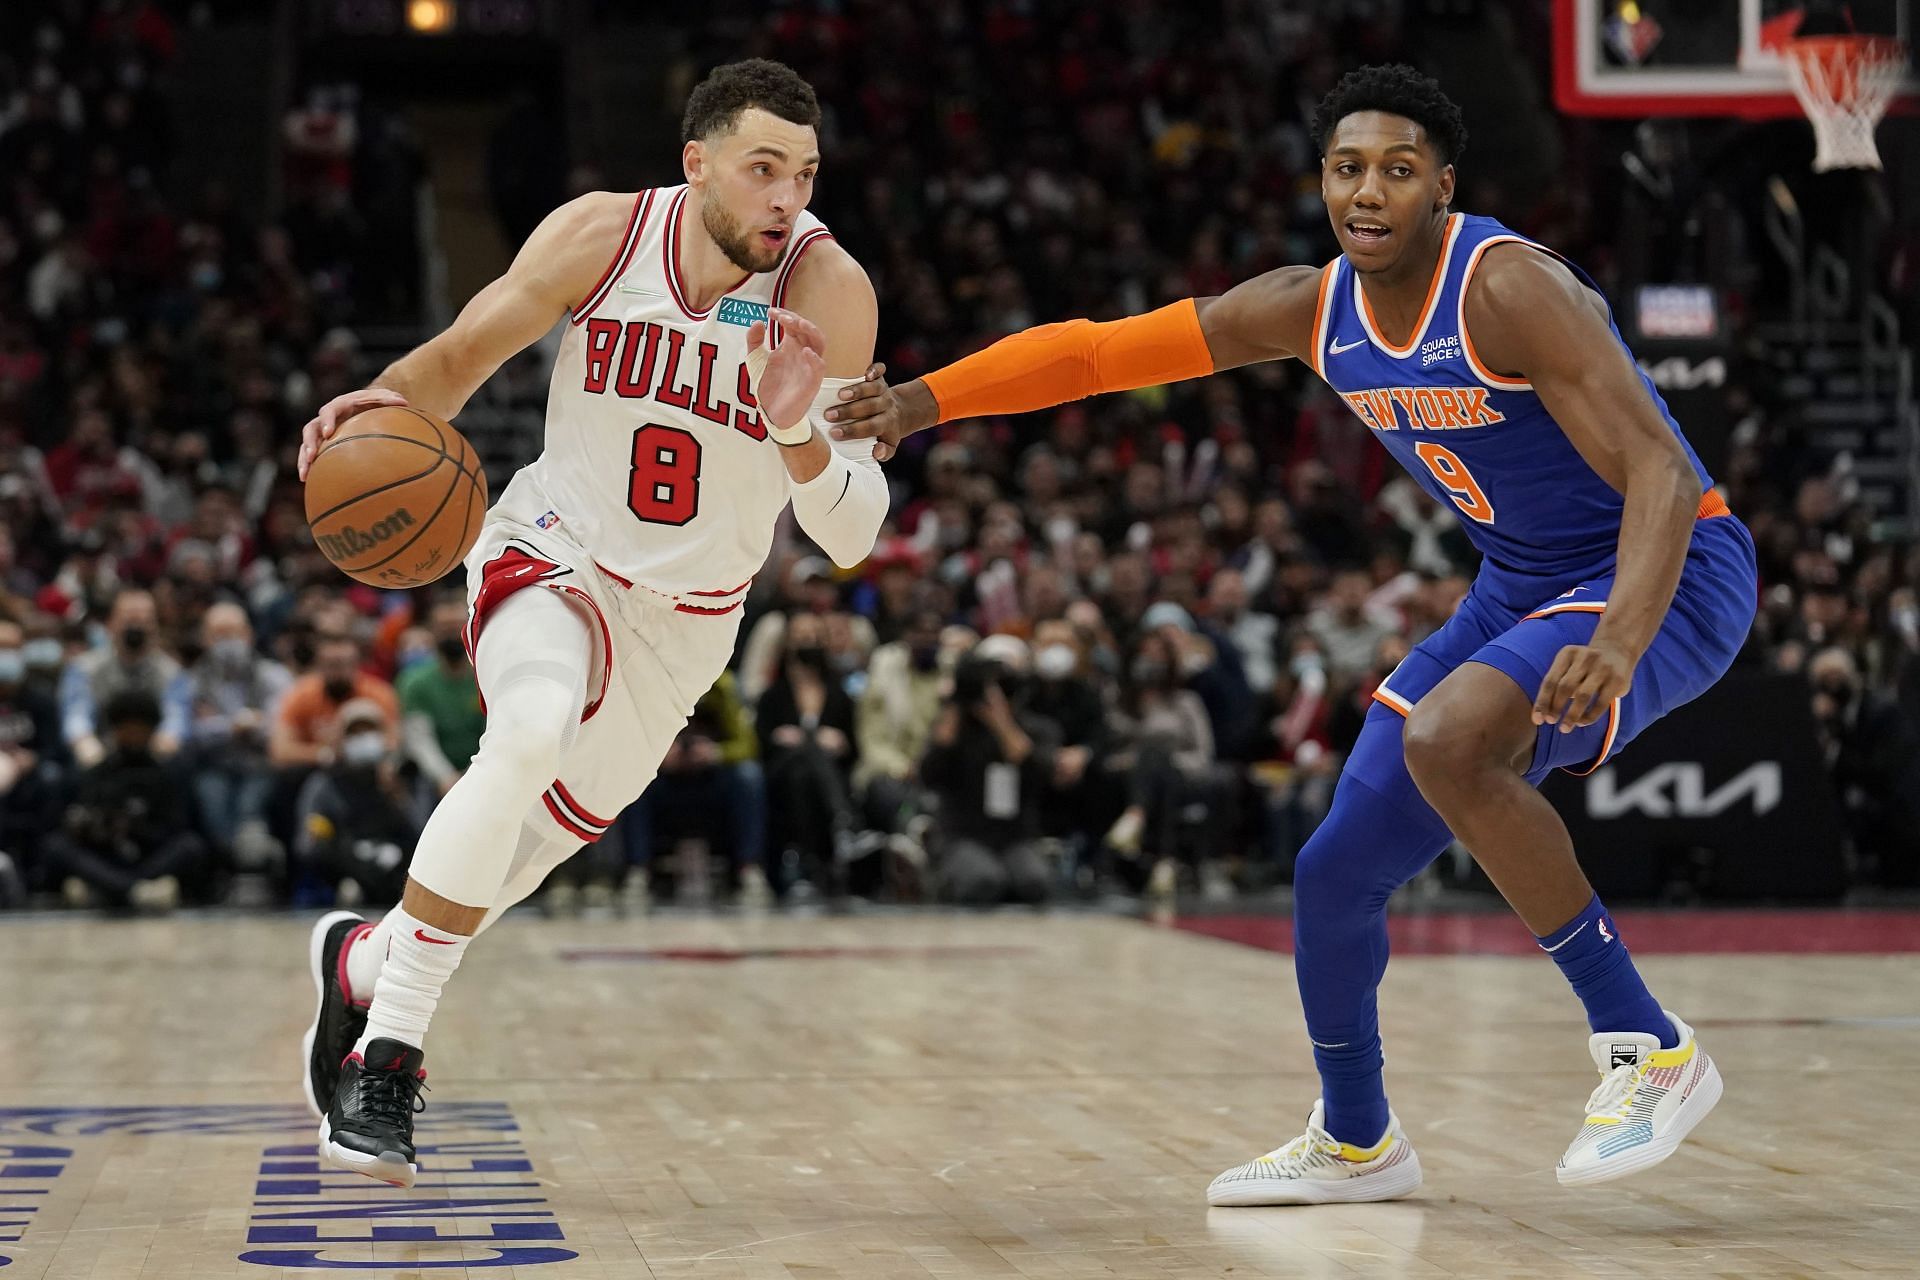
column 1055, row 363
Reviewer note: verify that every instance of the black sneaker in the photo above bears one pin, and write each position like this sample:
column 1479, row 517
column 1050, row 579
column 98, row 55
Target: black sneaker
column 337, row 1022
column 369, row 1127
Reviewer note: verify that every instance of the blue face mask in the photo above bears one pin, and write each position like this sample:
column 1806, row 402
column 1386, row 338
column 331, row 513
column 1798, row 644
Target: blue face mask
column 42, row 654
column 13, row 666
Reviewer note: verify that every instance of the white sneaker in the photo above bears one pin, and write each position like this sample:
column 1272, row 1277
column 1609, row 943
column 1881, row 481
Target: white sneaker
column 1649, row 1100
column 1317, row 1168
column 1163, row 883
column 755, row 893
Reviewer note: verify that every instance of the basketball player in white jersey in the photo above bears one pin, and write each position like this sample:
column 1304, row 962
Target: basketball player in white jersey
column 606, row 585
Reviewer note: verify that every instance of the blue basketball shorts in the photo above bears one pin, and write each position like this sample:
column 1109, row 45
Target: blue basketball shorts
column 1518, row 624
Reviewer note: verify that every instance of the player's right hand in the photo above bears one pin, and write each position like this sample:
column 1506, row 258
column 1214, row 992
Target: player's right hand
column 332, row 414
column 872, row 410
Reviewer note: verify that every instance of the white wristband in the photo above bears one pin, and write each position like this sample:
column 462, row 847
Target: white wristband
column 797, row 434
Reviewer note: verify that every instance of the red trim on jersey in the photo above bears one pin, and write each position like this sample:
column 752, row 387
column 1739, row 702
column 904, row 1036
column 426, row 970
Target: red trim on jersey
column 629, row 245
column 606, row 645
column 513, row 570
column 730, row 591
column 566, row 797
column 560, row 816
column 781, row 281
column 624, row 582
column 670, row 260
column 683, row 607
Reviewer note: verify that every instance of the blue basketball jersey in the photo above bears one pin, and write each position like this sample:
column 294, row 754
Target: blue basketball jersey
column 1478, row 442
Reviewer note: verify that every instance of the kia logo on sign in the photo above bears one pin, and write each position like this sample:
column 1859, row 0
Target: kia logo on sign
column 1677, row 373
column 1679, row 790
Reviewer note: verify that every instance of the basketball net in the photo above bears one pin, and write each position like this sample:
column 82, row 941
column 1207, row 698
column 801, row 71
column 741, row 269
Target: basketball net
column 1844, row 84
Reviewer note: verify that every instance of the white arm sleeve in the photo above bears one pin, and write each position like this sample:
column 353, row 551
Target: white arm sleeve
column 842, row 507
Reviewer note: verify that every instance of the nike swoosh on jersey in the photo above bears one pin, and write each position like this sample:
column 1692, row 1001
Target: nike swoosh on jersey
column 1336, row 348
column 624, row 287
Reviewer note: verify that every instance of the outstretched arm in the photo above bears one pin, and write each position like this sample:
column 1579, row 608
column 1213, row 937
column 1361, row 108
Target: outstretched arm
column 1532, row 318
column 1266, row 318
column 556, row 268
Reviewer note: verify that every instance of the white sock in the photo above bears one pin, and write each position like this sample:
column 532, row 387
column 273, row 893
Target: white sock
column 365, row 954
column 536, row 856
column 419, row 960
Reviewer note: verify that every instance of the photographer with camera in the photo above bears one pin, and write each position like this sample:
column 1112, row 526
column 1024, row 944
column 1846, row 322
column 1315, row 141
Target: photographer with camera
column 358, row 819
column 989, row 765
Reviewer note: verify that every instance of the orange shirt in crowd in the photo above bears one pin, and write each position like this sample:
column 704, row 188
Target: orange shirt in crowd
column 309, row 713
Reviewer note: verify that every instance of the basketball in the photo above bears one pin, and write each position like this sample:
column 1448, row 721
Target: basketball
column 396, row 497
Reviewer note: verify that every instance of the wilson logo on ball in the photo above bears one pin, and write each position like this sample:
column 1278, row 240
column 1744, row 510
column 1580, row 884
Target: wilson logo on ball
column 350, row 542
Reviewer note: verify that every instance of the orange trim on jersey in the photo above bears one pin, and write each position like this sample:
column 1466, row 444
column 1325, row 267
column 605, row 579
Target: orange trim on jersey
column 629, row 242
column 1711, row 505
column 1606, row 745
column 1314, row 360
column 1391, row 701
column 670, row 260
column 1550, row 610
column 1426, row 308
column 812, row 236
column 1480, row 370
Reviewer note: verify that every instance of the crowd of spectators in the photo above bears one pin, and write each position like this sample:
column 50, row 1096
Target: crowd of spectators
column 1120, row 646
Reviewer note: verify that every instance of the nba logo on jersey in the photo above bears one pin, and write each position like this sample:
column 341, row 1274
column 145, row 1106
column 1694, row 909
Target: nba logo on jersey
column 548, row 520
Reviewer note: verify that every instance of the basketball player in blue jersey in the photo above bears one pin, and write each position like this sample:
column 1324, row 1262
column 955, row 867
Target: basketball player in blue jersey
column 1614, row 587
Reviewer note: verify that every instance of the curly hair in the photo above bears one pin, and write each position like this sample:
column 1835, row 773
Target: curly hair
column 1397, row 90
column 714, row 106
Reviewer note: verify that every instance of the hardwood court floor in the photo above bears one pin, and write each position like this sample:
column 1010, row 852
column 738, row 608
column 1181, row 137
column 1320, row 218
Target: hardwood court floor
column 917, row 1096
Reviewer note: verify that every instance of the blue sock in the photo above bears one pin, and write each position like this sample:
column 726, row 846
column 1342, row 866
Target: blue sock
column 1351, row 1089
column 1377, row 836
column 1594, row 960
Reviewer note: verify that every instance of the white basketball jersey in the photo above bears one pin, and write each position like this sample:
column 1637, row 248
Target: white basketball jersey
column 656, row 461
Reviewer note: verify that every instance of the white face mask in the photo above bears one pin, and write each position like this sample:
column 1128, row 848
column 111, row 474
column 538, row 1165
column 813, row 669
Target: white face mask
column 364, row 748
column 1055, row 660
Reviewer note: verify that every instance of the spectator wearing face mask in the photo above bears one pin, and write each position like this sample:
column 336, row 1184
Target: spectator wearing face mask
column 45, row 656
column 357, row 822
column 35, row 766
column 440, row 701
column 129, row 838
column 1175, row 780
column 1874, row 760
column 229, row 701
column 1080, row 797
column 895, row 717
column 131, row 660
column 306, row 733
column 806, row 730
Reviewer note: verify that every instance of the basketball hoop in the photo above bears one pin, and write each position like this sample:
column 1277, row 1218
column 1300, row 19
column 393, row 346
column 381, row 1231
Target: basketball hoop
column 1844, row 84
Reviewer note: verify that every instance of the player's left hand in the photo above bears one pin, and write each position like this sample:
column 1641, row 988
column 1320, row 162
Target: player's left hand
column 1582, row 683
column 791, row 379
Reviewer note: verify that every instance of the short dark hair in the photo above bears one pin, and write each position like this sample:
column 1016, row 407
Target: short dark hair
column 1398, row 90
column 714, row 106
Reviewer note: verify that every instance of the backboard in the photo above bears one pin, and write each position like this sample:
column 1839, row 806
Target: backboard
column 1639, row 58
